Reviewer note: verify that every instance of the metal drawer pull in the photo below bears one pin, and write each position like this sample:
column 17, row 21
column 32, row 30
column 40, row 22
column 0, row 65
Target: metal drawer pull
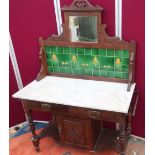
column 46, row 106
column 59, row 129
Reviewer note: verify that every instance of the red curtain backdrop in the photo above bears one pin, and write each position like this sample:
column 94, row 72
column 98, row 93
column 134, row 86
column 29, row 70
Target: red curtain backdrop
column 31, row 19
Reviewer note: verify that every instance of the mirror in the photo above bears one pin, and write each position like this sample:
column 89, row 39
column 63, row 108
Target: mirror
column 83, row 28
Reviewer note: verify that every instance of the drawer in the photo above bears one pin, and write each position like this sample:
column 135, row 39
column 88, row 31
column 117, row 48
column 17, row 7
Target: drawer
column 42, row 106
column 103, row 115
column 71, row 111
column 39, row 106
column 78, row 112
column 63, row 109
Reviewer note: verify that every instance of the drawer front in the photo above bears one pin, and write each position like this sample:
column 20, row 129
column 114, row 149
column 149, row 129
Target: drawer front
column 39, row 106
column 78, row 112
column 103, row 115
column 42, row 106
column 94, row 114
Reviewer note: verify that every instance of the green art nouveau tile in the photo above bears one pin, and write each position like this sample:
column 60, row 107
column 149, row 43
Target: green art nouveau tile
column 126, row 53
column 89, row 72
column 50, row 69
column 103, row 73
column 64, row 60
column 95, row 62
column 74, row 61
column 75, row 71
column 66, row 50
column 49, row 62
column 68, row 70
column 124, row 75
column 96, row 72
column 118, row 63
column 125, row 61
column 103, row 61
column 56, row 69
column 60, row 50
column 110, row 61
column 81, row 51
column 74, row 58
column 96, row 67
column 55, row 63
column 111, row 74
column 110, row 52
column 48, row 55
column 118, row 53
column 54, row 57
column 53, row 49
column 85, row 61
column 75, row 65
column 118, row 74
column 62, row 69
column 95, row 51
column 88, row 51
column 118, row 68
column 125, row 68
column 81, row 71
column 48, row 49
column 107, row 68
column 102, row 52
column 107, row 63
column 74, row 51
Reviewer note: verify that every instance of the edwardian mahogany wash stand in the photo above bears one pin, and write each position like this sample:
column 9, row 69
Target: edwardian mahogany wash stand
column 86, row 78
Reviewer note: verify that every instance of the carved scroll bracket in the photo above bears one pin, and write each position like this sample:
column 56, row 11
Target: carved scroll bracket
column 105, row 38
column 132, row 49
column 42, row 57
column 62, row 37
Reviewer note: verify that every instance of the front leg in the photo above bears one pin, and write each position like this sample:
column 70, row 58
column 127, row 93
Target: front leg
column 121, row 139
column 35, row 138
column 129, row 117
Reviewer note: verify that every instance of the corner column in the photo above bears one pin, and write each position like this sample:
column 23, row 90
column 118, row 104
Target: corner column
column 121, row 139
column 35, row 137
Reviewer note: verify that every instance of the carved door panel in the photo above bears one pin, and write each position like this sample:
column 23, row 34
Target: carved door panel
column 75, row 132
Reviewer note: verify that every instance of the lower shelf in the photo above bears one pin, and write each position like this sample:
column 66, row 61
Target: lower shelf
column 105, row 141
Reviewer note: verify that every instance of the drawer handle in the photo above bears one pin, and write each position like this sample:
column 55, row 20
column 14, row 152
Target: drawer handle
column 94, row 114
column 46, row 106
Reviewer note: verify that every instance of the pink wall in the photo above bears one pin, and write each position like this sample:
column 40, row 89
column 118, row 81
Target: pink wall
column 31, row 19
column 134, row 28
column 28, row 20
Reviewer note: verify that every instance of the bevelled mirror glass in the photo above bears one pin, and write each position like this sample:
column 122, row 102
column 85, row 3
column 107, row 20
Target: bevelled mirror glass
column 83, row 28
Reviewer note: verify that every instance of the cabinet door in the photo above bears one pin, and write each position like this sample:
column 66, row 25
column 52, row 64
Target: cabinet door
column 75, row 132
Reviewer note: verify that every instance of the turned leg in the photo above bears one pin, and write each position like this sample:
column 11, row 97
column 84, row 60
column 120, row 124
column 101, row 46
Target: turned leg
column 129, row 117
column 35, row 138
column 121, row 139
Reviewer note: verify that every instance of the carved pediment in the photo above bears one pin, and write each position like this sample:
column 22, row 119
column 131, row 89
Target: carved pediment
column 81, row 5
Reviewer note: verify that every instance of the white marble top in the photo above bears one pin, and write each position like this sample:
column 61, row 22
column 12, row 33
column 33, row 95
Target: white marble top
column 91, row 94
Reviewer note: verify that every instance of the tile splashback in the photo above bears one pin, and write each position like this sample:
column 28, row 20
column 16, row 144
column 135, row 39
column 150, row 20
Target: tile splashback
column 88, row 61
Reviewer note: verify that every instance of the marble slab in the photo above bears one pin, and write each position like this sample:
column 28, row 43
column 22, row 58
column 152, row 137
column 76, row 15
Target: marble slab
column 91, row 94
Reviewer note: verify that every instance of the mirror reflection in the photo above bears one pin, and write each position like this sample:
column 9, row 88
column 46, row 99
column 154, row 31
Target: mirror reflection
column 83, row 28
